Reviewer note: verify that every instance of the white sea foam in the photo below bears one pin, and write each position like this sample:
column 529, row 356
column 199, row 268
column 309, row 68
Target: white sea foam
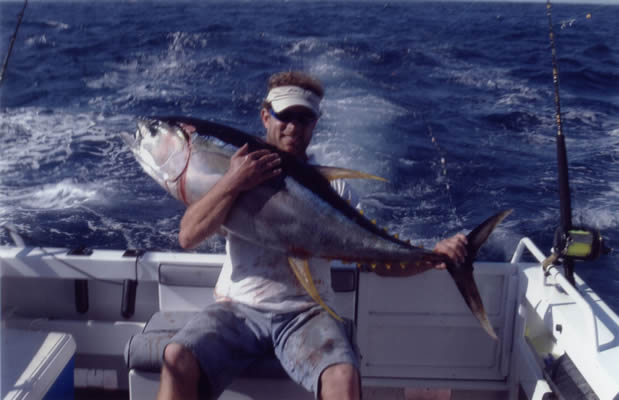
column 35, row 136
column 57, row 24
column 55, row 196
column 39, row 41
column 109, row 79
column 161, row 76
column 38, row 144
column 567, row 23
column 179, row 41
column 304, row 46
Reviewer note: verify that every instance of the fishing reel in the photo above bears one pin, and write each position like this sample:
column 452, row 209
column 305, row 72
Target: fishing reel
column 579, row 243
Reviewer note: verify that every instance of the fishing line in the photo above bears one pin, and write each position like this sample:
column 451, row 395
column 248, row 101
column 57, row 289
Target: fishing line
column 8, row 54
column 443, row 166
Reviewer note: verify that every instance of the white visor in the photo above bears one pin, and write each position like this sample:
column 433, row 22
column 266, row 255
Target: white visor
column 283, row 97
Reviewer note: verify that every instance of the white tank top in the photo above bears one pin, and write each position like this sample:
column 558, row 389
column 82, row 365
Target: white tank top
column 262, row 278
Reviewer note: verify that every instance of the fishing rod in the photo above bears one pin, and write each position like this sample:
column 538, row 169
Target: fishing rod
column 570, row 243
column 13, row 38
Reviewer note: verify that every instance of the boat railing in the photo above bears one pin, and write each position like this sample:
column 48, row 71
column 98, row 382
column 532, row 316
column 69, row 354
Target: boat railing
column 553, row 273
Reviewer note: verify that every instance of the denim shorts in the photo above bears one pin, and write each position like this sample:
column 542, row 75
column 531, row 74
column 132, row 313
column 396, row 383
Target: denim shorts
column 227, row 337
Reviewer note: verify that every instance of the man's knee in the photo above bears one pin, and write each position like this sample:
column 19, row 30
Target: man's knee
column 180, row 362
column 340, row 381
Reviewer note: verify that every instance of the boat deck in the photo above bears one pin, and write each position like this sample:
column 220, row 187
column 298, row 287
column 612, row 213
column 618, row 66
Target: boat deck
column 370, row 393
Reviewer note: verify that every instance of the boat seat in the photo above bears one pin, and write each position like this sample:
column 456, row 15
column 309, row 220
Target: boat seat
column 182, row 292
column 144, row 351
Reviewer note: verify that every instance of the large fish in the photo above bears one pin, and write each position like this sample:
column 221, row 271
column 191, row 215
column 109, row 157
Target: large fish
column 297, row 212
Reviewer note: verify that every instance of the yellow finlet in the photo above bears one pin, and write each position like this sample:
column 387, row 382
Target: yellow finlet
column 300, row 267
column 333, row 173
column 374, row 221
column 403, row 265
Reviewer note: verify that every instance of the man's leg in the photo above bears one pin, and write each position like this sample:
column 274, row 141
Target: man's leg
column 340, row 381
column 214, row 347
column 316, row 352
column 180, row 374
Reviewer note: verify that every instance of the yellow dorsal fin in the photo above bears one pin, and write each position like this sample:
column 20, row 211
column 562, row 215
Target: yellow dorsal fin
column 300, row 267
column 333, row 173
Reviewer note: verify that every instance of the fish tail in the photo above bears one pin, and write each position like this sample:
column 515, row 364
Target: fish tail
column 462, row 274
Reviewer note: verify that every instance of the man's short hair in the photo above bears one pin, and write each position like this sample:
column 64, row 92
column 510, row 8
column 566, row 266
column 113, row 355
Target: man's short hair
column 294, row 78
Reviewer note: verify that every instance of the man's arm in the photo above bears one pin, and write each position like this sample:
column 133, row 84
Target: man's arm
column 247, row 170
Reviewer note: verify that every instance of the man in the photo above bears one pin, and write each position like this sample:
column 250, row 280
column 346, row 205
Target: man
column 260, row 307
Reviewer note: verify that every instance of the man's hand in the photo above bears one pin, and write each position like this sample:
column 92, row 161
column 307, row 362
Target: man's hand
column 454, row 248
column 205, row 216
column 248, row 170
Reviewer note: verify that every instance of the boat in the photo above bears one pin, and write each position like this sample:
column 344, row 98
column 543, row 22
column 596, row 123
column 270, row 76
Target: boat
column 92, row 323
column 95, row 321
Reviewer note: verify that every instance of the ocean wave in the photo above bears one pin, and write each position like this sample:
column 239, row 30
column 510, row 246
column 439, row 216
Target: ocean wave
column 110, row 80
column 514, row 121
column 598, row 50
column 44, row 144
column 304, row 46
column 35, row 138
column 39, row 41
column 61, row 195
column 567, row 23
column 164, row 77
column 181, row 41
column 363, row 108
column 57, row 24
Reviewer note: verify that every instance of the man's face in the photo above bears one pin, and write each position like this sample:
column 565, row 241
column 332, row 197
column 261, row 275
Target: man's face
column 290, row 130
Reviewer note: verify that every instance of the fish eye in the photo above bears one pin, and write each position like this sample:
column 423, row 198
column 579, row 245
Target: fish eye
column 153, row 127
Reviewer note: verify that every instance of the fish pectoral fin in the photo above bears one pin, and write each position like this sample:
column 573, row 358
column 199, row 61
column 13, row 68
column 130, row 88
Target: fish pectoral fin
column 300, row 267
column 333, row 173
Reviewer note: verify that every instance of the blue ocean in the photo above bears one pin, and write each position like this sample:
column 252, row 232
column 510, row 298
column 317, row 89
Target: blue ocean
column 452, row 102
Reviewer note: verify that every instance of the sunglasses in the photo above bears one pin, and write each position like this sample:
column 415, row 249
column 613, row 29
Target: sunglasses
column 300, row 117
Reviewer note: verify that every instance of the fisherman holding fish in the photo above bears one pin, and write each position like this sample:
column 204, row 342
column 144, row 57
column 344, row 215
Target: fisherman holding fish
column 261, row 307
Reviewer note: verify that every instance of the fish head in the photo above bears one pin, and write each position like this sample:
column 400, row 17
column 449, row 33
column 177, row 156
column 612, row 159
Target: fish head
column 162, row 149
